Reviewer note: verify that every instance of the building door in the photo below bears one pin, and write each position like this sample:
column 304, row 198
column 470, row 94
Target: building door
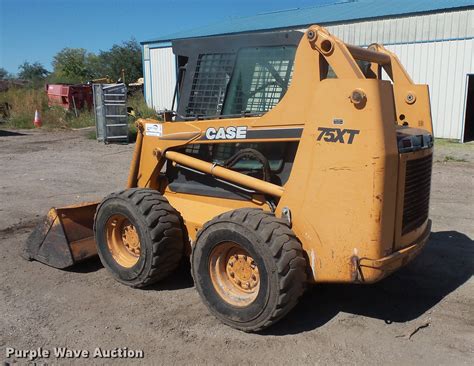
column 469, row 110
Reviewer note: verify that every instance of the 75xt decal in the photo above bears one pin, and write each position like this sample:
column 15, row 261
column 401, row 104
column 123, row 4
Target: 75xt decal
column 330, row 134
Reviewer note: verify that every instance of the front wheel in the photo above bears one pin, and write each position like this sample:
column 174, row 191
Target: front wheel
column 248, row 268
column 139, row 236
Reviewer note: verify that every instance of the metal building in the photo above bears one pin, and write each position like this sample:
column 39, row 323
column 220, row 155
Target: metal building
column 434, row 40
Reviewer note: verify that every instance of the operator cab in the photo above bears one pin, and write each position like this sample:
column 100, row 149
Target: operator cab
column 233, row 76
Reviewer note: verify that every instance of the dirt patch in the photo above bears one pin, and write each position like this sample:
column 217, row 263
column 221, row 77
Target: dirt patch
column 84, row 308
column 21, row 227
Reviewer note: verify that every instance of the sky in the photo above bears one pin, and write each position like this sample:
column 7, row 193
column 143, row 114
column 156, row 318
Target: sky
column 35, row 30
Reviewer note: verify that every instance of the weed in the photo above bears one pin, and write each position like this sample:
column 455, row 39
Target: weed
column 92, row 135
column 25, row 101
column 140, row 109
column 85, row 118
column 450, row 158
column 452, row 143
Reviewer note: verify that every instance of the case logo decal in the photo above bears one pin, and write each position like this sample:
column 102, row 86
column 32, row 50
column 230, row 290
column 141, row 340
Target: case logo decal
column 226, row 133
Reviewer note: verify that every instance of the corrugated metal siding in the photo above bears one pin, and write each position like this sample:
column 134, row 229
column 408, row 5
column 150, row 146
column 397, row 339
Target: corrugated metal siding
column 425, row 44
column 436, row 49
column 421, row 28
column 162, row 78
column 443, row 66
column 338, row 12
column 146, row 73
column 146, row 78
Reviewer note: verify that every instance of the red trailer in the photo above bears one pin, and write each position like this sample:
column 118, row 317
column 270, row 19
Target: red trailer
column 70, row 97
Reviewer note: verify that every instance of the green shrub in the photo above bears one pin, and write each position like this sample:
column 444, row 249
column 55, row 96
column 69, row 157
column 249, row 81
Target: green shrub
column 137, row 102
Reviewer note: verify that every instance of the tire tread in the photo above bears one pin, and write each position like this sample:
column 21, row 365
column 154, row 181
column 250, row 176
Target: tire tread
column 166, row 230
column 286, row 251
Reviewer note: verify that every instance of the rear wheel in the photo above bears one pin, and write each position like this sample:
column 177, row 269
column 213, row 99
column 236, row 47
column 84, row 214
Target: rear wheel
column 234, row 274
column 139, row 236
column 249, row 268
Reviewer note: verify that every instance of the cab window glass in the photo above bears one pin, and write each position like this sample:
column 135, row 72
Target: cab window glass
column 260, row 79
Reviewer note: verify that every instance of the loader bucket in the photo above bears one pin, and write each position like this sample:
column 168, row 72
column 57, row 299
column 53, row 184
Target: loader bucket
column 64, row 237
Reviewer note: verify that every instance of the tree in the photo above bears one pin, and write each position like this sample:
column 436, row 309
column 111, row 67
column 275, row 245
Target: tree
column 73, row 65
column 34, row 72
column 4, row 74
column 126, row 56
column 76, row 65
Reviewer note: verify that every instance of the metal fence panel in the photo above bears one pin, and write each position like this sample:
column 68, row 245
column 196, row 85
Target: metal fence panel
column 110, row 103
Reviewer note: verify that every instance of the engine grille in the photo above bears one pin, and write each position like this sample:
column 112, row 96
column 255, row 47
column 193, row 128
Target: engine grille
column 417, row 193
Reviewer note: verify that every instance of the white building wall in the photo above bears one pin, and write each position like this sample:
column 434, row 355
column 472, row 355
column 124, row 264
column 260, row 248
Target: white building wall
column 147, row 74
column 410, row 29
column 163, row 77
column 443, row 66
column 160, row 76
column 436, row 49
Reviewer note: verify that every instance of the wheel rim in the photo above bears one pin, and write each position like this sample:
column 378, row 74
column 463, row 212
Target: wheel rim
column 123, row 240
column 234, row 274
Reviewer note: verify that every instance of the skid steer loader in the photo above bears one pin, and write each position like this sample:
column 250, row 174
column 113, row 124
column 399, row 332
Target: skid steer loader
column 282, row 166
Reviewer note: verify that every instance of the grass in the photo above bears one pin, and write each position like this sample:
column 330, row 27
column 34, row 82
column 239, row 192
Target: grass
column 450, row 158
column 92, row 135
column 25, row 101
column 444, row 142
column 141, row 110
column 452, row 143
column 452, row 151
column 84, row 119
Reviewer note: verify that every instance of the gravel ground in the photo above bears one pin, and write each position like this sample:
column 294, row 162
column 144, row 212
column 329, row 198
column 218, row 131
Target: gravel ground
column 423, row 314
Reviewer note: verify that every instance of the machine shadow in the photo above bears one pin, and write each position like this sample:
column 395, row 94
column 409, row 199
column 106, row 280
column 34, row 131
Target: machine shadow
column 445, row 264
column 178, row 280
column 89, row 265
column 4, row 133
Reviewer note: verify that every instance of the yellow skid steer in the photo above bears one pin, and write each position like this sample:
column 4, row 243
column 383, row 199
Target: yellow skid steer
column 289, row 161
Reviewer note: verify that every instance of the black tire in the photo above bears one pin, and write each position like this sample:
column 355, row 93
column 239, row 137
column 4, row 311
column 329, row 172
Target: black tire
column 160, row 230
column 277, row 254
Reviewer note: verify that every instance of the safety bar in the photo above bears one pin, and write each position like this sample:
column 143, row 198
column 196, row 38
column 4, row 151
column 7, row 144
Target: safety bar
column 226, row 174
